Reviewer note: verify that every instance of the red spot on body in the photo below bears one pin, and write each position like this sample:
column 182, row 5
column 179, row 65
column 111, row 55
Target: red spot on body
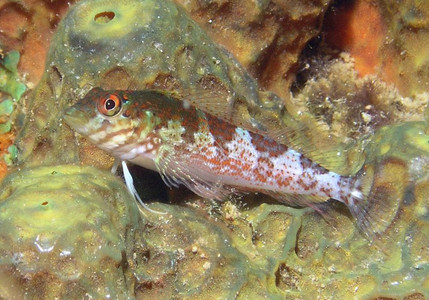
column 222, row 131
column 268, row 145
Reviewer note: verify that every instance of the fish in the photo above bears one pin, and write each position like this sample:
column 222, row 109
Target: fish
column 209, row 155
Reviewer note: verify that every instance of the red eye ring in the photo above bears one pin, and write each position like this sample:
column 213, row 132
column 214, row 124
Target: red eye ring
column 110, row 105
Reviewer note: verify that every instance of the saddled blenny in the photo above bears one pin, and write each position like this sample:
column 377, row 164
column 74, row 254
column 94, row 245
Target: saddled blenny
column 210, row 156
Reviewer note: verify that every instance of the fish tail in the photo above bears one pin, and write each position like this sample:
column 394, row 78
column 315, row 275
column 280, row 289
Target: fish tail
column 372, row 203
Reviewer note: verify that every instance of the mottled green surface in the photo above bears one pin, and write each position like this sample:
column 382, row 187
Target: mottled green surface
column 67, row 232
column 72, row 231
column 406, row 45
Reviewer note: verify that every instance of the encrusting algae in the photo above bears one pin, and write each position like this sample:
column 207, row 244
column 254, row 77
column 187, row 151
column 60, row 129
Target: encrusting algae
column 251, row 248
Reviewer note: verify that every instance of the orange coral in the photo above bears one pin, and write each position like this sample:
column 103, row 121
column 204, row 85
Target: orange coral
column 27, row 26
column 359, row 29
column 5, row 141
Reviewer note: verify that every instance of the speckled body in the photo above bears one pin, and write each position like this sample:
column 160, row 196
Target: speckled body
column 210, row 156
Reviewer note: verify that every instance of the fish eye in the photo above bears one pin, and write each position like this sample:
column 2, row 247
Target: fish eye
column 110, row 105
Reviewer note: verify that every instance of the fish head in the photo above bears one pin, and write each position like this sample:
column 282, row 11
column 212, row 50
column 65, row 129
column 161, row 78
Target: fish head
column 101, row 115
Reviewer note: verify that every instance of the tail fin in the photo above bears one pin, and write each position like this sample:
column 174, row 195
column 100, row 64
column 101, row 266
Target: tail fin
column 375, row 198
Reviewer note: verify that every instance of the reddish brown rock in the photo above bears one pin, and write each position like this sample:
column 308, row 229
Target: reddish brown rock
column 267, row 37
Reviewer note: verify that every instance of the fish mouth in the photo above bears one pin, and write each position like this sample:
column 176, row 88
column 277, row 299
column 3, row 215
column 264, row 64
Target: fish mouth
column 74, row 118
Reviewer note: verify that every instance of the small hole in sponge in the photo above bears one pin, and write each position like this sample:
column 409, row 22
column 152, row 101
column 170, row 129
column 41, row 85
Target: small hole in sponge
column 104, row 17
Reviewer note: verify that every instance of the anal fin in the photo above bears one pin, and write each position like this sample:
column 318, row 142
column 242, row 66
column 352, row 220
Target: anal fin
column 300, row 200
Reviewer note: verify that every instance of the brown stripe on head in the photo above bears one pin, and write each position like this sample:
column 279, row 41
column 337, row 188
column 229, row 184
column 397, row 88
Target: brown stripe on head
column 113, row 130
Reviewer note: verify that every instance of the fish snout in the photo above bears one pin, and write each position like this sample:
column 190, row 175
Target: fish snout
column 75, row 118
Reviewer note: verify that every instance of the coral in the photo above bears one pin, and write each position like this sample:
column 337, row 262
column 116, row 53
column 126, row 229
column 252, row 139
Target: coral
column 67, row 232
column 268, row 36
column 27, row 26
column 345, row 108
column 358, row 28
column 404, row 61
column 7, row 151
column 391, row 47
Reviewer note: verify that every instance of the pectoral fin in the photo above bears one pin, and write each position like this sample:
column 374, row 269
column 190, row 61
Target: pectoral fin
column 178, row 169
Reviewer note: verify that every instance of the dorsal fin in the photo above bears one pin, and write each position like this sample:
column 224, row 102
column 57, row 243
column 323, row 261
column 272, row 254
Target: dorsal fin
column 310, row 136
column 223, row 106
